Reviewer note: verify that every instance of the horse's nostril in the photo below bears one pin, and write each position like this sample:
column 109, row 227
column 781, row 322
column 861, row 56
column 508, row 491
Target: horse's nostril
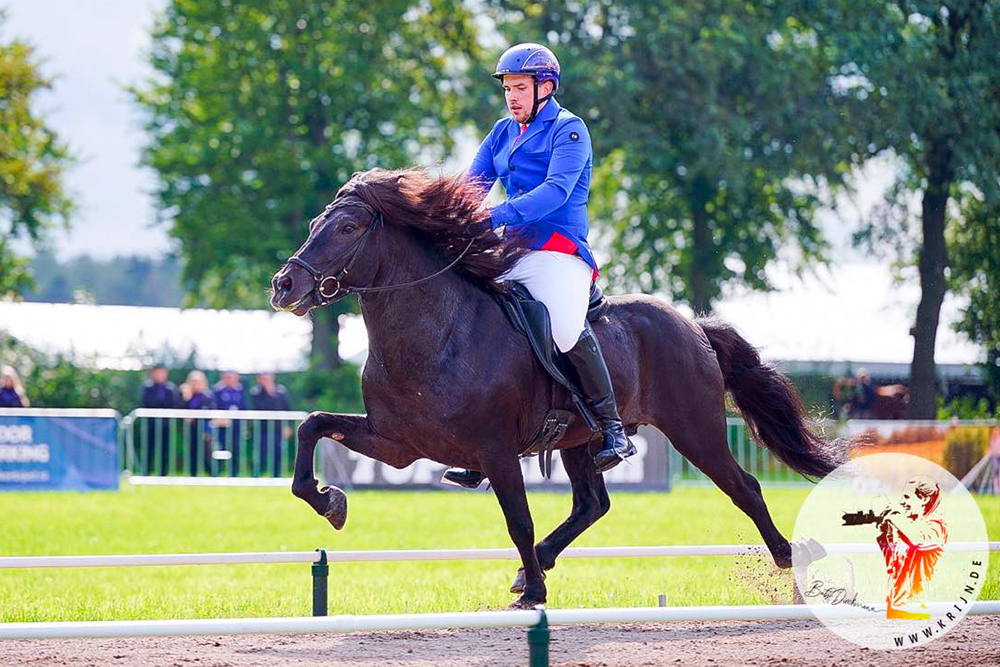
column 286, row 283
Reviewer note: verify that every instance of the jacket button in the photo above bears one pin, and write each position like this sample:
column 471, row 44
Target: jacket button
column 512, row 167
column 520, row 191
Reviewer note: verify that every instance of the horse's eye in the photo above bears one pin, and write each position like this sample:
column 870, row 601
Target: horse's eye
column 348, row 228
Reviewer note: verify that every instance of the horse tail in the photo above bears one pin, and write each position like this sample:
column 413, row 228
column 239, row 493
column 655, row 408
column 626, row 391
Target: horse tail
column 770, row 404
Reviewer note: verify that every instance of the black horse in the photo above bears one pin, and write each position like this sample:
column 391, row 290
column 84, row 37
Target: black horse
column 449, row 379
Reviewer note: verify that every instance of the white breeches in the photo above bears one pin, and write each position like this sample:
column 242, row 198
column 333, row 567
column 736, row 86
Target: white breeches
column 562, row 282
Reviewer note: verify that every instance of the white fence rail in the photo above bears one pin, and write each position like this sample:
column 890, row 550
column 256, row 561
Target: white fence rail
column 420, row 555
column 537, row 620
column 476, row 619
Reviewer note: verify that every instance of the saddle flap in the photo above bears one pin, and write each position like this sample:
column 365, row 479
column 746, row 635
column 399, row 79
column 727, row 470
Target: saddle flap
column 531, row 318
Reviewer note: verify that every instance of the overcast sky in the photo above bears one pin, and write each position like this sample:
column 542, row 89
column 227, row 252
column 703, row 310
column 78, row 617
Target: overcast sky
column 93, row 49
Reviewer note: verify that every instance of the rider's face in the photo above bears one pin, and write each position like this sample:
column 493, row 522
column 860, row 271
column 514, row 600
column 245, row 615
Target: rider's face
column 518, row 92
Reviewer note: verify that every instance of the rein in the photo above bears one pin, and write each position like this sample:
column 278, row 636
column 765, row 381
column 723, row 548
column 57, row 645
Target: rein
column 323, row 283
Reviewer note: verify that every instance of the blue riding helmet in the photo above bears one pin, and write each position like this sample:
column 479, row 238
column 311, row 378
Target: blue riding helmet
column 536, row 61
column 529, row 58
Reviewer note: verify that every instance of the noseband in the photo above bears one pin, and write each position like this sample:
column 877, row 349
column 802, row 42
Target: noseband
column 329, row 289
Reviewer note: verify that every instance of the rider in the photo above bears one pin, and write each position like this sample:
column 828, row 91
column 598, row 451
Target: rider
column 543, row 157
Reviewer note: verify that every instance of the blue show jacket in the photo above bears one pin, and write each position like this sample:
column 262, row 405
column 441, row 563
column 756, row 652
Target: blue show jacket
column 546, row 173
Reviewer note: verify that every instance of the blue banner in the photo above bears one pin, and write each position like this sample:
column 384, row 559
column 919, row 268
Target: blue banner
column 66, row 450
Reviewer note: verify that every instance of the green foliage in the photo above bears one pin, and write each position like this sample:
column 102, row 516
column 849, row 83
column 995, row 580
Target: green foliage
column 66, row 382
column 120, row 281
column 964, row 447
column 62, row 382
column 330, row 390
column 32, row 161
column 974, row 244
column 259, row 113
column 927, row 72
column 966, row 407
column 715, row 131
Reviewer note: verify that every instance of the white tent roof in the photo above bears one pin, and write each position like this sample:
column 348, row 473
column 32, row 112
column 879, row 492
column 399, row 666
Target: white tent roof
column 131, row 337
column 851, row 313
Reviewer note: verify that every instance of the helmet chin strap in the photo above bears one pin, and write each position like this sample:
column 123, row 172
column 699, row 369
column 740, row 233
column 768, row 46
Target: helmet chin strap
column 536, row 100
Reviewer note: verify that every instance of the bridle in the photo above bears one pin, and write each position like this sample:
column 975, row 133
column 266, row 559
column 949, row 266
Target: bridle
column 329, row 289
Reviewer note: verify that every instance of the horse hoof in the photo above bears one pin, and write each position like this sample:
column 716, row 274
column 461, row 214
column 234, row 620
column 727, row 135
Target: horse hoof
column 783, row 556
column 518, row 586
column 336, row 508
column 524, row 602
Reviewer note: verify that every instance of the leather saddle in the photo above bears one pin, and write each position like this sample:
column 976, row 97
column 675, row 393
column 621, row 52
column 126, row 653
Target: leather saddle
column 531, row 318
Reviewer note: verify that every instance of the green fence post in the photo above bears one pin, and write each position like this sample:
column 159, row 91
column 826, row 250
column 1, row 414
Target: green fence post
column 320, row 573
column 538, row 641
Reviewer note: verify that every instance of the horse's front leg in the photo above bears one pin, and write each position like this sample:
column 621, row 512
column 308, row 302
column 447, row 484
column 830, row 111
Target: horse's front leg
column 505, row 475
column 355, row 433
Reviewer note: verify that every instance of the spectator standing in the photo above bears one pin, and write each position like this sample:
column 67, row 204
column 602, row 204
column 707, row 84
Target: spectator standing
column 196, row 397
column 229, row 395
column 268, row 395
column 157, row 392
column 11, row 392
column 864, row 396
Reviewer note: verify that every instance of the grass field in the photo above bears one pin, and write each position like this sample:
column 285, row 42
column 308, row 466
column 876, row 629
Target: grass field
column 177, row 520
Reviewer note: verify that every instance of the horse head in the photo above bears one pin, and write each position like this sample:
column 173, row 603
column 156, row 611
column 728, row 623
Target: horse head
column 318, row 273
column 441, row 217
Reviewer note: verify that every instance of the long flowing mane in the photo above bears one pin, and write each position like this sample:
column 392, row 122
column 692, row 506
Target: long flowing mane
column 446, row 211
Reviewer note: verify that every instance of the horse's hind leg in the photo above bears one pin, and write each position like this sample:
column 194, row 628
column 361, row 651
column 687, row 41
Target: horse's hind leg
column 590, row 503
column 708, row 449
column 355, row 433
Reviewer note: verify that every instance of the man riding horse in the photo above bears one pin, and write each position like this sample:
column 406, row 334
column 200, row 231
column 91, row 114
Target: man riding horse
column 542, row 155
column 450, row 378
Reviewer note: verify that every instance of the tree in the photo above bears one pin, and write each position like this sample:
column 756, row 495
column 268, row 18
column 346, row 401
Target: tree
column 261, row 110
column 32, row 164
column 974, row 240
column 714, row 132
column 928, row 71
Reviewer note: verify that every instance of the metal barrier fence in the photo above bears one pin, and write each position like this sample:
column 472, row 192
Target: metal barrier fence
column 210, row 443
column 258, row 447
column 247, row 443
column 753, row 458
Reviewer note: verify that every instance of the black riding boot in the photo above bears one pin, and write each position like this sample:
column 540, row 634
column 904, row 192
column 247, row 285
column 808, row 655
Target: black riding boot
column 469, row 479
column 595, row 381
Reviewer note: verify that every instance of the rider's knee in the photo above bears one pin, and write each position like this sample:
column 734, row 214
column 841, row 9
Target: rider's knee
column 565, row 335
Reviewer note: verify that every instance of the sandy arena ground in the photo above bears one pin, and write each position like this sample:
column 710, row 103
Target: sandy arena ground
column 975, row 642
